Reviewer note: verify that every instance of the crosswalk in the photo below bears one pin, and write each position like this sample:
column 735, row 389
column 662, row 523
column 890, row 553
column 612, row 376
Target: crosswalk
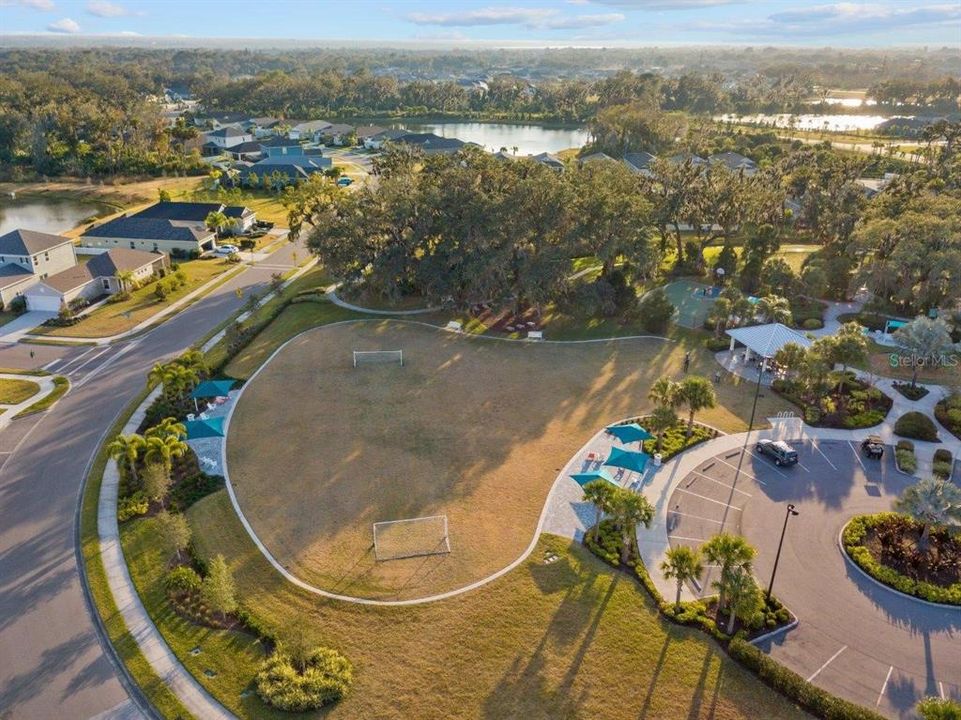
column 82, row 368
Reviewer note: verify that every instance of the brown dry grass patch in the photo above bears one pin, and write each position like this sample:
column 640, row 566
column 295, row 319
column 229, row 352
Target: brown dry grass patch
column 471, row 428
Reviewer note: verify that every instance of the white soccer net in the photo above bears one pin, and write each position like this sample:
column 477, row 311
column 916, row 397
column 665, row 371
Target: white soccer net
column 362, row 357
column 395, row 539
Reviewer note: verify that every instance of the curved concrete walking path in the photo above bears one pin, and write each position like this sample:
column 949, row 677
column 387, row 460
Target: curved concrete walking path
column 340, row 302
column 139, row 624
column 11, row 411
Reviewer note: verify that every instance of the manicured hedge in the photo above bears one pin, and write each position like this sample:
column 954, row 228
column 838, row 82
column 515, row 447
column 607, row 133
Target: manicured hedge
column 675, row 440
column 917, row 426
column 948, row 413
column 810, row 697
column 853, row 536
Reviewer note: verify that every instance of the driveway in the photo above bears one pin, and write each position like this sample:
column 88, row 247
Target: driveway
column 855, row 638
column 12, row 331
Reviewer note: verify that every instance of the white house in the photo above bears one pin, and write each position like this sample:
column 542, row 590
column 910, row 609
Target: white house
column 228, row 137
column 26, row 257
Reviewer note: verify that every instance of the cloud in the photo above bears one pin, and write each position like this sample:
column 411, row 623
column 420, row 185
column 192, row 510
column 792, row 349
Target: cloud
column 106, row 9
column 582, row 21
column 668, row 4
column 42, row 5
column 531, row 18
column 484, row 16
column 839, row 19
column 64, row 25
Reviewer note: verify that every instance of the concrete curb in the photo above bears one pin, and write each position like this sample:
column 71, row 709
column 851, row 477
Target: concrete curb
column 850, row 561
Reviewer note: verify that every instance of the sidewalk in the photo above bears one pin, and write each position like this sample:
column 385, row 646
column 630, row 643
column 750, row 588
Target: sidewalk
column 10, row 411
column 152, row 320
column 19, row 327
column 336, row 300
column 139, row 625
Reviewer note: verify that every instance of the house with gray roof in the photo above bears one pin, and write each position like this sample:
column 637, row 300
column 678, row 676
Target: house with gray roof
column 227, row 137
column 94, row 279
column 639, row 163
column 175, row 237
column 193, row 213
column 735, row 162
column 27, row 256
column 551, row 161
column 308, row 130
column 431, row 143
column 376, row 142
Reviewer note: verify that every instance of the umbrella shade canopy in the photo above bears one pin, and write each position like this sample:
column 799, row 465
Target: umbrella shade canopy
column 583, row 478
column 212, row 388
column 212, row 427
column 629, row 433
column 627, row 459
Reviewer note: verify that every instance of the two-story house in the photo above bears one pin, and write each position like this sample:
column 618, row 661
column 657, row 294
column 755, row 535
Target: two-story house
column 27, row 256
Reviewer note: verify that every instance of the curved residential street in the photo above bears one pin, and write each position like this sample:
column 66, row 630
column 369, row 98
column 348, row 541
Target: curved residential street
column 53, row 664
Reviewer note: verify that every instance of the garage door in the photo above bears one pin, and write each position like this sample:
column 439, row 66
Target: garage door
column 50, row 303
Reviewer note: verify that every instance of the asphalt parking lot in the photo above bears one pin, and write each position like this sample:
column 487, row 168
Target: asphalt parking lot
column 855, row 638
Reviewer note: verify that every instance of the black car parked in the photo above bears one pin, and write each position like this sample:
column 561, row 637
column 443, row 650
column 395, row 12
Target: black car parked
column 782, row 453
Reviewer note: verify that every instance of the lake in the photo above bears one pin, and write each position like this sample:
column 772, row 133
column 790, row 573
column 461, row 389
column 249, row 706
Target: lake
column 528, row 139
column 834, row 123
column 47, row 215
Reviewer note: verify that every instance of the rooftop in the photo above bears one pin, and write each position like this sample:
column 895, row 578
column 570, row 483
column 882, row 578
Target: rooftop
column 766, row 340
column 28, row 242
column 147, row 228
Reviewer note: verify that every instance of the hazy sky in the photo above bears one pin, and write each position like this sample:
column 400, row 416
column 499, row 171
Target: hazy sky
column 588, row 22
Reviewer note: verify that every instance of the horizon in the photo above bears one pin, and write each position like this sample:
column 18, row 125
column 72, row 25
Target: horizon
column 477, row 24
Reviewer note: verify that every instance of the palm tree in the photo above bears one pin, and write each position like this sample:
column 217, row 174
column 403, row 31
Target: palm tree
column 665, row 393
column 164, row 450
column 125, row 278
column 167, row 427
column 698, row 394
column 720, row 314
column 682, row 564
column 728, row 552
column 662, row 418
column 745, row 597
column 216, row 221
column 630, row 508
column 775, row 309
column 600, row 494
column 127, row 448
column 933, row 502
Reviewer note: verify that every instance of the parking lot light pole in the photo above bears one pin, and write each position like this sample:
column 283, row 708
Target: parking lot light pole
column 790, row 511
column 750, row 425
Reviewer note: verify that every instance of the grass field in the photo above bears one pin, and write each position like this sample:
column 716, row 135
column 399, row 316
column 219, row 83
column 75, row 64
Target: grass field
column 13, row 392
column 571, row 639
column 113, row 318
column 470, row 428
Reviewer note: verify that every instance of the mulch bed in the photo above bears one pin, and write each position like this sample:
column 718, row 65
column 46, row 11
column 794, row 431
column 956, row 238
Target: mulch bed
column 895, row 545
column 506, row 321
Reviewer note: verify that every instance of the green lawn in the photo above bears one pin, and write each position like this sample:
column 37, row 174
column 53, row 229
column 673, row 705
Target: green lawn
column 60, row 387
column 571, row 639
column 13, row 392
column 113, row 318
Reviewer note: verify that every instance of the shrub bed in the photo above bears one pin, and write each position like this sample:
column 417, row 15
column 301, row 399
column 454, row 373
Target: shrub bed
column 917, row 426
column 943, row 463
column 325, row 678
column 859, row 406
column 948, row 413
column 885, row 547
column 717, row 344
column 911, row 393
column 675, row 439
column 904, row 457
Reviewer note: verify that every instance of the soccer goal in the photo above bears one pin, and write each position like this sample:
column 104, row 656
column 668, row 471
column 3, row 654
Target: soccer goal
column 363, row 357
column 413, row 537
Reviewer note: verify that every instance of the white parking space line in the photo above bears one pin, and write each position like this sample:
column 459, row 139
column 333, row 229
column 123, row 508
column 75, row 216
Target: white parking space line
column 689, row 539
column 745, row 472
column 941, row 689
column 716, row 502
column 696, row 517
column 802, row 467
column 827, row 662
column 857, row 456
column 818, row 448
column 885, row 686
column 708, row 477
column 52, row 363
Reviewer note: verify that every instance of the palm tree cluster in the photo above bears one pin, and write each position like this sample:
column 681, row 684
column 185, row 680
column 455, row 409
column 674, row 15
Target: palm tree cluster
column 150, row 455
column 179, row 377
column 625, row 507
column 812, row 367
column 732, row 308
column 694, row 392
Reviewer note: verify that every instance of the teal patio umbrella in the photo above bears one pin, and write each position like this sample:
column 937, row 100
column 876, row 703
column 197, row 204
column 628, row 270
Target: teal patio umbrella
column 209, row 428
column 632, row 432
column 627, row 459
column 583, row 478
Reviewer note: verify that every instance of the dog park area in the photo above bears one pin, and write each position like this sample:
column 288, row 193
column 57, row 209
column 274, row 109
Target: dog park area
column 472, row 429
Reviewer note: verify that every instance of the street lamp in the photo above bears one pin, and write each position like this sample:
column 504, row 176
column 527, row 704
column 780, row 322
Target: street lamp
column 787, row 515
column 750, row 425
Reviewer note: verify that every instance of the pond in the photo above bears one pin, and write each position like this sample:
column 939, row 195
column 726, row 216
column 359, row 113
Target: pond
column 43, row 214
column 832, row 123
column 528, row 139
